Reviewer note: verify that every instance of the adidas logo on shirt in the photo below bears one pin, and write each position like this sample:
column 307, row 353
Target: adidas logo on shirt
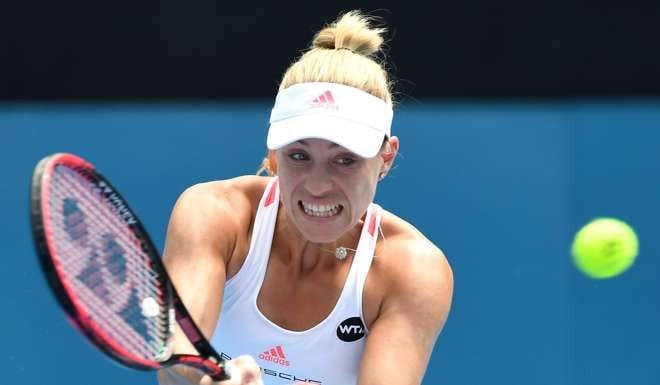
column 275, row 355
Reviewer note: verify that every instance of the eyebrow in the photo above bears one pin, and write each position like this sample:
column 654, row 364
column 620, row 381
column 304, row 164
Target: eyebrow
column 304, row 143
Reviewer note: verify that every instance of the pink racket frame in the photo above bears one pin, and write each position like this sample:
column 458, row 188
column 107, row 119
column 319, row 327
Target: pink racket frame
column 75, row 311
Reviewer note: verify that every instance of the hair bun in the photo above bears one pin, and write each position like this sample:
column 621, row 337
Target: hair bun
column 352, row 31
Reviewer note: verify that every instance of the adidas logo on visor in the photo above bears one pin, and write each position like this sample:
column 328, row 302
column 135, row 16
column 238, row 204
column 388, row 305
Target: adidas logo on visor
column 325, row 100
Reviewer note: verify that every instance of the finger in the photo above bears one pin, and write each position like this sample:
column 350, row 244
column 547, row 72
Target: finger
column 243, row 370
column 235, row 376
column 248, row 370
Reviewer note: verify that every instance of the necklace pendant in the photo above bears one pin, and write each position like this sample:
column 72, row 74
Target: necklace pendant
column 341, row 253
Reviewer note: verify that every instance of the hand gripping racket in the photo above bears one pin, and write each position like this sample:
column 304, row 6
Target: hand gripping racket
column 105, row 271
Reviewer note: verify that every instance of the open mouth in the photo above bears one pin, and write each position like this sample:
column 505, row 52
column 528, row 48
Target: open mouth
column 320, row 210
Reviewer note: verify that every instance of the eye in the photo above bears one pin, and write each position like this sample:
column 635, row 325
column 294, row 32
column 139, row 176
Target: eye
column 298, row 156
column 345, row 161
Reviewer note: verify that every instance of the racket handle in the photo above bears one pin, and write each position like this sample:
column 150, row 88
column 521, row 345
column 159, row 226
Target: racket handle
column 217, row 372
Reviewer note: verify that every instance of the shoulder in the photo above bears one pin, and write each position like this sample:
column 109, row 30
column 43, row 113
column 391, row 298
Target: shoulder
column 240, row 195
column 402, row 244
column 412, row 272
column 242, row 189
column 202, row 210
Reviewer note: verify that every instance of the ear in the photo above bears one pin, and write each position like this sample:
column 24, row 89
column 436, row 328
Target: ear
column 272, row 162
column 388, row 155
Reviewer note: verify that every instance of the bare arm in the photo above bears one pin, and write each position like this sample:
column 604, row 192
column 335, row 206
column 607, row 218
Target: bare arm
column 203, row 233
column 414, row 310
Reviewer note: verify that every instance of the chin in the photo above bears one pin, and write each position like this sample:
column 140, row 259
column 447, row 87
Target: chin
column 319, row 231
column 319, row 238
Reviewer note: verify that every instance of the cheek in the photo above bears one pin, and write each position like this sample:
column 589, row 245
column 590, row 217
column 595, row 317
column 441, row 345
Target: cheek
column 288, row 181
column 288, row 185
column 361, row 195
column 287, row 171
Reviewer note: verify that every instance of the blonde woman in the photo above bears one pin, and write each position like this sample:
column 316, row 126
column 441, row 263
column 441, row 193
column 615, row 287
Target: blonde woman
column 299, row 277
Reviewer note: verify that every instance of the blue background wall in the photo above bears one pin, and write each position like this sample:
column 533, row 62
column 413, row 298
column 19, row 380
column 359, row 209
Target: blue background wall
column 501, row 188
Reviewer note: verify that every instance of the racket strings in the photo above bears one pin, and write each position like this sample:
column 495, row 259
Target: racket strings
column 96, row 278
column 105, row 263
column 110, row 222
column 92, row 275
column 136, row 269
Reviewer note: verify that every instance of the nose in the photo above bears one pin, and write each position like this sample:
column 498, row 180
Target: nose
column 318, row 182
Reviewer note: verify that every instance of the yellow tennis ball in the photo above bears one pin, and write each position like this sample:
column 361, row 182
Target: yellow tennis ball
column 605, row 248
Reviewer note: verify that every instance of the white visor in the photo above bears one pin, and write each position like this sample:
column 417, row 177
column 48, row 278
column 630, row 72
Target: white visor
column 345, row 115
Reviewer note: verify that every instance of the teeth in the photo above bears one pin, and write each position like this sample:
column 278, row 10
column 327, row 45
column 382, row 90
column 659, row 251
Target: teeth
column 320, row 210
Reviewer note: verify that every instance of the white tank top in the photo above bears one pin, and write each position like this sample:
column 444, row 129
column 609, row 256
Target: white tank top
column 328, row 353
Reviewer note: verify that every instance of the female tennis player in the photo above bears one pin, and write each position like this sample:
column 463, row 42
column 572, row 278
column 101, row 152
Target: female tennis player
column 299, row 277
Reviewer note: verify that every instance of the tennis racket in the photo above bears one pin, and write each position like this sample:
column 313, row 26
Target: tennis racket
column 105, row 271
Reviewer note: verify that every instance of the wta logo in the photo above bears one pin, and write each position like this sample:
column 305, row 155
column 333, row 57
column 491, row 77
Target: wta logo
column 351, row 329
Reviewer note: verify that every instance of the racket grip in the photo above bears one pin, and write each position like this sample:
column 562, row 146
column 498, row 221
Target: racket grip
column 217, row 372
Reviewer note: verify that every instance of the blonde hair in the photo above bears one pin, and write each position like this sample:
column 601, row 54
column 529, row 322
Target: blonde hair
column 347, row 51
column 344, row 52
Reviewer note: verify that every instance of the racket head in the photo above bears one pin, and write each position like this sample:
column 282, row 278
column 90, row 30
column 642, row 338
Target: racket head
column 100, row 263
